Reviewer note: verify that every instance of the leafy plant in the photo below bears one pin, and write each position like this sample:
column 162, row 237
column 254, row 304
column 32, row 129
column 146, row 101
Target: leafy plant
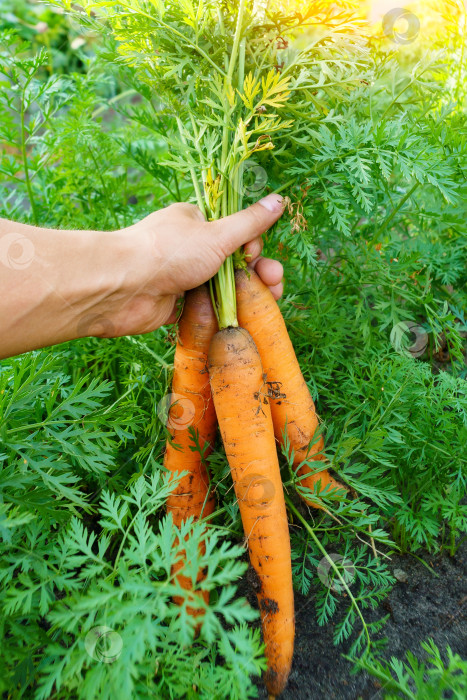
column 417, row 680
column 374, row 163
column 80, row 587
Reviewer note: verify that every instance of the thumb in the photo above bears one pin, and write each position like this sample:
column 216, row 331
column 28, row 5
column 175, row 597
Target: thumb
column 237, row 229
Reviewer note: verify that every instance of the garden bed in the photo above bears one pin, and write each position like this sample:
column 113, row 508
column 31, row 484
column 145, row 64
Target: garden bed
column 425, row 605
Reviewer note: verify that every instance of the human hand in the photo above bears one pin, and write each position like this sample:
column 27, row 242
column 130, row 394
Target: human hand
column 175, row 249
column 60, row 285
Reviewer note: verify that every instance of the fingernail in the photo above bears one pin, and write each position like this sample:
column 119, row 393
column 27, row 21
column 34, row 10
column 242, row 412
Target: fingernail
column 273, row 202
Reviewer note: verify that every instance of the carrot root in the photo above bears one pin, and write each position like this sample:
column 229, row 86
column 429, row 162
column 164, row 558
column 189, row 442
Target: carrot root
column 246, row 427
column 290, row 398
column 192, row 406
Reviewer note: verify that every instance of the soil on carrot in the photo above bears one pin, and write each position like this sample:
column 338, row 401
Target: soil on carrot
column 420, row 605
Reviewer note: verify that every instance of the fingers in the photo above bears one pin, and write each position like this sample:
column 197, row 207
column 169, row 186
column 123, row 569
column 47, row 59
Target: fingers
column 277, row 290
column 253, row 250
column 270, row 271
column 236, row 230
column 171, row 316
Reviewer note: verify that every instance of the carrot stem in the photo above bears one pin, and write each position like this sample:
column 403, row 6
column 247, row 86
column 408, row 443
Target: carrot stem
column 222, row 289
column 309, row 529
column 225, row 305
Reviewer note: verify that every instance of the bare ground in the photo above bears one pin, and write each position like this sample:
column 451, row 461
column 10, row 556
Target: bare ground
column 424, row 606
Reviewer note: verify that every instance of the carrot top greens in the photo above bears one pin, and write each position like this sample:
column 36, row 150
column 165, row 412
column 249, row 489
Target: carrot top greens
column 239, row 78
column 374, row 161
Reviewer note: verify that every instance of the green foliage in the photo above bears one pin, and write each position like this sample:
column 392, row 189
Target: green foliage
column 367, row 577
column 59, row 450
column 53, row 435
column 420, row 680
column 47, row 27
column 79, row 584
column 369, row 143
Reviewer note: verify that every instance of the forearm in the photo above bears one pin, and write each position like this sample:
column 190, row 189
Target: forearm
column 61, row 285
column 55, row 284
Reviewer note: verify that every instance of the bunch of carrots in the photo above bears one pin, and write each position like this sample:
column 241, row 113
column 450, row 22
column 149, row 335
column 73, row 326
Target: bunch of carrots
column 245, row 377
column 234, row 84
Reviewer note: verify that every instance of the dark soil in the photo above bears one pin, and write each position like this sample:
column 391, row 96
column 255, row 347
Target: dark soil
column 424, row 606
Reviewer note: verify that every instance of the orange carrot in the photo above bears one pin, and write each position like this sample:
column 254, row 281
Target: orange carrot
column 191, row 406
column 291, row 401
column 244, row 416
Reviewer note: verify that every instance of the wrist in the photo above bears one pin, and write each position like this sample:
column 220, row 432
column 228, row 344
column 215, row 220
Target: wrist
column 97, row 284
column 74, row 276
column 59, row 285
column 123, row 294
column 50, row 294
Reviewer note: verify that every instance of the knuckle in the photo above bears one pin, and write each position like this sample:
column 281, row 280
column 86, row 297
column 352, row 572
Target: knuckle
column 182, row 207
column 191, row 210
column 257, row 222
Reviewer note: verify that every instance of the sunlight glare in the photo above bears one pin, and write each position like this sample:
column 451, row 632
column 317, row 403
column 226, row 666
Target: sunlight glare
column 378, row 8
